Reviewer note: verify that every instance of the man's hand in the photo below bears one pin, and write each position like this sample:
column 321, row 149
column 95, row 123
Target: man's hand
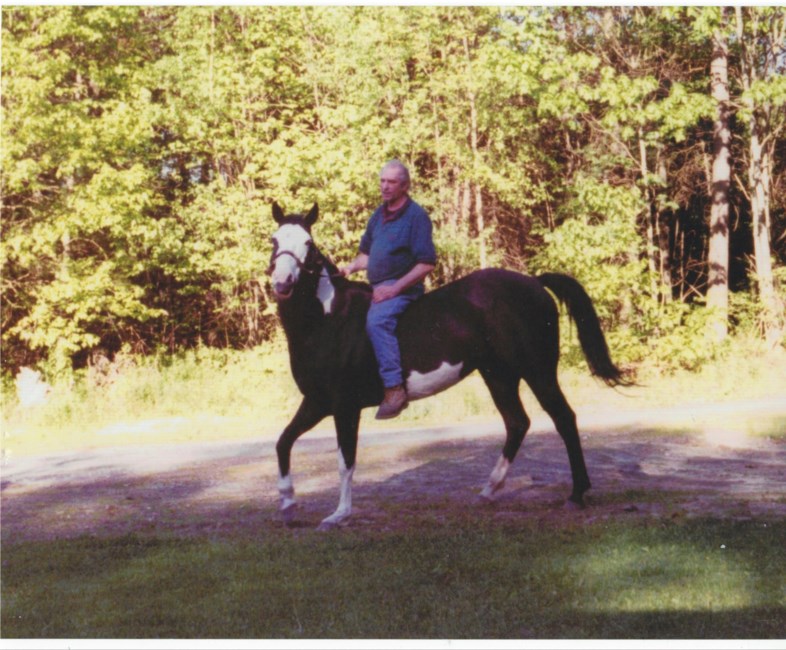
column 384, row 292
column 358, row 264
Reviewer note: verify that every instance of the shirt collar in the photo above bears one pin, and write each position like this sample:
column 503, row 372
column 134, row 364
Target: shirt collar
column 392, row 216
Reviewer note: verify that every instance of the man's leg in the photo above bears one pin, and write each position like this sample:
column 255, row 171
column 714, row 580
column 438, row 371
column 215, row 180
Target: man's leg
column 381, row 327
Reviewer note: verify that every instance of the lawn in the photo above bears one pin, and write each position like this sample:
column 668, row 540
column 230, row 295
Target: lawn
column 699, row 579
column 443, row 570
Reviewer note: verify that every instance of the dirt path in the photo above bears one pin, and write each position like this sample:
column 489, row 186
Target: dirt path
column 690, row 461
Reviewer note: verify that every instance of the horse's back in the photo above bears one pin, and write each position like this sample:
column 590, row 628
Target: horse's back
column 491, row 313
column 478, row 295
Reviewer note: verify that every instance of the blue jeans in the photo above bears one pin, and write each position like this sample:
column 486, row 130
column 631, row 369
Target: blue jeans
column 381, row 328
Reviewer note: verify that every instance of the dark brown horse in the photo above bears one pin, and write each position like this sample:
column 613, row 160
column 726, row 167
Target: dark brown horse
column 500, row 323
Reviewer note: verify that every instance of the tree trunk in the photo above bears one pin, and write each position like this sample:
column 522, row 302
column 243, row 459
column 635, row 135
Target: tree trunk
column 466, row 195
column 771, row 310
column 758, row 185
column 473, row 116
column 650, row 218
column 662, row 231
column 718, row 257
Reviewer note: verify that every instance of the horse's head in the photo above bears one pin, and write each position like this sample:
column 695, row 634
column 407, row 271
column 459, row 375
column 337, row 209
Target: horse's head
column 293, row 250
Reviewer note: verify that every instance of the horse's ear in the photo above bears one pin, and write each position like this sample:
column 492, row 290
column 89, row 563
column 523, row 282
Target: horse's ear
column 278, row 213
column 311, row 217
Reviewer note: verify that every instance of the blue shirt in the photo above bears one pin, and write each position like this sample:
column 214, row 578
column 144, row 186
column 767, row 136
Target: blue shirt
column 394, row 247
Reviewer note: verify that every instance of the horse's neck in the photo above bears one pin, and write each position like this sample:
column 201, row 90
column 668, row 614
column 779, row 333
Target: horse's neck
column 304, row 313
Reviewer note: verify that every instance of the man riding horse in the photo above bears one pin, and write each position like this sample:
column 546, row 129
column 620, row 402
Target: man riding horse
column 497, row 322
column 397, row 250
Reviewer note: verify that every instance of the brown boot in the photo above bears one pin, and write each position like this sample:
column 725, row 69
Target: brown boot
column 395, row 401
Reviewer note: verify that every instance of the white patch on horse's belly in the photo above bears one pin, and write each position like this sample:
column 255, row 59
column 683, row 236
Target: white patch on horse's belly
column 422, row 385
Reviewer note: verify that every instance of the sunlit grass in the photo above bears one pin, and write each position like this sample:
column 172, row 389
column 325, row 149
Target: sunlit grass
column 208, row 394
column 464, row 579
column 670, row 576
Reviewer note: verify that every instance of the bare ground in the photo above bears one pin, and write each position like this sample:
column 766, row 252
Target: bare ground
column 696, row 460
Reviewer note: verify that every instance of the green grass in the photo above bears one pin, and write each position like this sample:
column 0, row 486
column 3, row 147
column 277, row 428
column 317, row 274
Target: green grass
column 693, row 579
column 209, row 394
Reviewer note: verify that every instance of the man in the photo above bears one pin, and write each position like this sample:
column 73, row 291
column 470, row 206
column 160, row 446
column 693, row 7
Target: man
column 397, row 250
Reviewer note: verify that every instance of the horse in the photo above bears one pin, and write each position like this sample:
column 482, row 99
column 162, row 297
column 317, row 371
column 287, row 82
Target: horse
column 499, row 322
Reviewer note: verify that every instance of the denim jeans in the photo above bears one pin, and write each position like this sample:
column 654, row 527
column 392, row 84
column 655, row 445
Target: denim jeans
column 381, row 328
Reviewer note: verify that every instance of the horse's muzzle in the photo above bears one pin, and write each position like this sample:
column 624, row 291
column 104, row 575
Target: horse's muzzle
column 283, row 290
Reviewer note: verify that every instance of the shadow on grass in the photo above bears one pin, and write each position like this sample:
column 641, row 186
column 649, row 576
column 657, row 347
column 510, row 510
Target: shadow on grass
column 681, row 539
column 461, row 580
column 635, row 472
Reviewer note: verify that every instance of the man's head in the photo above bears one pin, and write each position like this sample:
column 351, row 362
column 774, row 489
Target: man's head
column 394, row 183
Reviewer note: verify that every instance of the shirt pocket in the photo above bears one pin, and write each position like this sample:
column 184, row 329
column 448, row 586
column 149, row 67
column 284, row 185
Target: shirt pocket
column 396, row 236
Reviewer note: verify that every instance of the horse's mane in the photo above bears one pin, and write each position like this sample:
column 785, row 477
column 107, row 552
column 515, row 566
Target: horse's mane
column 339, row 281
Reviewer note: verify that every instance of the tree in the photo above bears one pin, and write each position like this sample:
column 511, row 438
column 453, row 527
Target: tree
column 718, row 256
column 76, row 174
column 142, row 148
column 761, row 39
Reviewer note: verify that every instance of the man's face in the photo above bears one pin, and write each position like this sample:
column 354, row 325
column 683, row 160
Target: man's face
column 392, row 184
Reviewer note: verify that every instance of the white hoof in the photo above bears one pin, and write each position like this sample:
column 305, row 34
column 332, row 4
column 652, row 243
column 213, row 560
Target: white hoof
column 332, row 522
column 287, row 511
column 489, row 492
column 486, row 496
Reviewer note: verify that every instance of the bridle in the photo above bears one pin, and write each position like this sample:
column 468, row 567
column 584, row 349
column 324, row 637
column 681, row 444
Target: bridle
column 315, row 262
column 302, row 266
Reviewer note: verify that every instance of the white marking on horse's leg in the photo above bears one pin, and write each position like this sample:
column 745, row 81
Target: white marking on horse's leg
column 345, row 500
column 287, row 492
column 496, row 478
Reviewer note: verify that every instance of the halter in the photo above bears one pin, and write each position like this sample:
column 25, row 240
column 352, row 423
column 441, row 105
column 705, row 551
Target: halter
column 306, row 267
column 300, row 264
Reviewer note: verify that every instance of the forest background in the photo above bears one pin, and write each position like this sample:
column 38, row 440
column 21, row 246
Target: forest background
column 639, row 149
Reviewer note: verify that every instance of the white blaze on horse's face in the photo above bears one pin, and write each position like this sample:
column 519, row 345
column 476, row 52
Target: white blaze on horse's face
column 290, row 249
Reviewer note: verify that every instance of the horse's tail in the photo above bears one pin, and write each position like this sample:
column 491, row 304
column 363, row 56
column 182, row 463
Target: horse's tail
column 583, row 313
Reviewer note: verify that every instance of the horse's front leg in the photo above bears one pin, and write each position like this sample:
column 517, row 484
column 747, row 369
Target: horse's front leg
column 308, row 415
column 347, row 423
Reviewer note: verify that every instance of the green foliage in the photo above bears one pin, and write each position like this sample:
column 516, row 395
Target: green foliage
column 679, row 338
column 142, row 147
column 598, row 232
column 217, row 383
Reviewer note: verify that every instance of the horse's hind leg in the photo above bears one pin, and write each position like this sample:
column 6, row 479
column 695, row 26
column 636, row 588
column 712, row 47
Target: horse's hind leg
column 505, row 393
column 551, row 398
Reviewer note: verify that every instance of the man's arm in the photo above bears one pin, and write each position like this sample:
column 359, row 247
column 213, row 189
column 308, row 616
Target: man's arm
column 360, row 263
column 415, row 275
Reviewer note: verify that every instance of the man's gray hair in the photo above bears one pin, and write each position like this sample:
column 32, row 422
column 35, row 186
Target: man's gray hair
column 400, row 166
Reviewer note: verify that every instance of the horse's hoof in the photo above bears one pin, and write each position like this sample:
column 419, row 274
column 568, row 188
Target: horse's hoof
column 327, row 525
column 288, row 513
column 570, row 504
column 486, row 498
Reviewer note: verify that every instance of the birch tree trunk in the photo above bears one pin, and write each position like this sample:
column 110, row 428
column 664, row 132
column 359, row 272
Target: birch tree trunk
column 473, row 116
column 651, row 217
column 662, row 229
column 758, row 186
column 718, row 256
